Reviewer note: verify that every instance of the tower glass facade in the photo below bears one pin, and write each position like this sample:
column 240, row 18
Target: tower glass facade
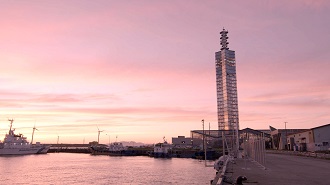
column 227, row 103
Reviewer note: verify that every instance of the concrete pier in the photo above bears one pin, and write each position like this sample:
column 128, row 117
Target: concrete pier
column 280, row 170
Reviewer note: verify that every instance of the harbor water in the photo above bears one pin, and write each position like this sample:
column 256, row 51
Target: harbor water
column 69, row 168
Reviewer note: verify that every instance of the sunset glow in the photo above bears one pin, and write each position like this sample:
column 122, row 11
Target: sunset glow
column 141, row 70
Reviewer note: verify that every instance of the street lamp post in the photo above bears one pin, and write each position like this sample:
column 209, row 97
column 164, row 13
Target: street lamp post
column 203, row 135
column 204, row 148
column 286, row 136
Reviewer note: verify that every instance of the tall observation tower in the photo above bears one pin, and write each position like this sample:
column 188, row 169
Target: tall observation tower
column 225, row 65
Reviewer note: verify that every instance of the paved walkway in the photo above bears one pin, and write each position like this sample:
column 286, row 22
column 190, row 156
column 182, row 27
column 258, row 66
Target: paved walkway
column 281, row 170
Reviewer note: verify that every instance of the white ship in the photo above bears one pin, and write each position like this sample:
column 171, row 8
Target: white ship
column 14, row 144
column 162, row 150
column 116, row 146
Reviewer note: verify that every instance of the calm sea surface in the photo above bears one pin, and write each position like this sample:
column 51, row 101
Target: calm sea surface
column 68, row 168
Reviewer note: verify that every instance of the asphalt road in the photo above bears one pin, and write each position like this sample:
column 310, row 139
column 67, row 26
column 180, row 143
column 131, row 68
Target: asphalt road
column 281, row 170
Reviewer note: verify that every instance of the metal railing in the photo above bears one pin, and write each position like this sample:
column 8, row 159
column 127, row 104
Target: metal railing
column 255, row 149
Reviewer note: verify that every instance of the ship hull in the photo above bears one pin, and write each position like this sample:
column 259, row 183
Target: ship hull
column 23, row 151
column 44, row 150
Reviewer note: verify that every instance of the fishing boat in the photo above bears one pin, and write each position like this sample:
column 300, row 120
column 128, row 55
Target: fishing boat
column 162, row 150
column 17, row 144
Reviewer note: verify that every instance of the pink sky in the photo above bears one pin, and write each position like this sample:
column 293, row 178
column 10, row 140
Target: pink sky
column 141, row 70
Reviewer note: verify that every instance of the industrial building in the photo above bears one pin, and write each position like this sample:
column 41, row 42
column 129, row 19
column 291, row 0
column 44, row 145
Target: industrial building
column 186, row 142
column 279, row 137
column 314, row 139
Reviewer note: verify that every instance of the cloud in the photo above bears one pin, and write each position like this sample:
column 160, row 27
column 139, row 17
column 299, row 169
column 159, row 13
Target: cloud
column 151, row 64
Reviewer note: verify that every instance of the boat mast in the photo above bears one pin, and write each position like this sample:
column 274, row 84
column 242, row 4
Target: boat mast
column 11, row 125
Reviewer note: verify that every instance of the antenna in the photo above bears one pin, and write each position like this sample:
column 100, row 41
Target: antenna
column 11, row 125
column 224, row 43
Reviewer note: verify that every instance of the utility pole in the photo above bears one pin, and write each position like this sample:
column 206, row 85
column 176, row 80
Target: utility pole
column 208, row 139
column 204, row 147
column 203, row 134
column 286, row 137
